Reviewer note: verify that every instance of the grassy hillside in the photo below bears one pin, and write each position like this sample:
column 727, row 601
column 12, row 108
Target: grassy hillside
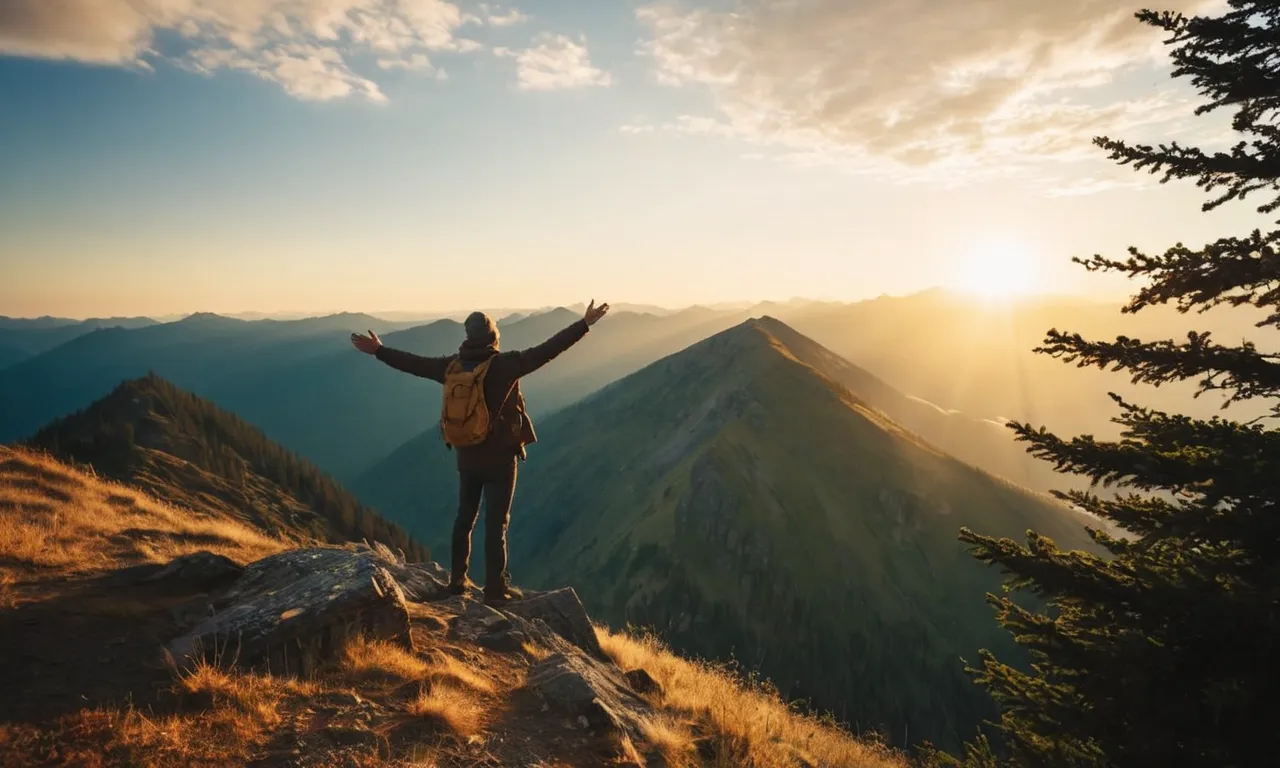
column 68, row 611
column 746, row 505
column 185, row 450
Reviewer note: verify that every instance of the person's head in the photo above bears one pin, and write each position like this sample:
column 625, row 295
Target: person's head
column 481, row 330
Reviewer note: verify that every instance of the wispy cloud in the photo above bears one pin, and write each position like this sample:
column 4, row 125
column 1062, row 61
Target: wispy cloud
column 305, row 46
column 926, row 87
column 499, row 18
column 556, row 62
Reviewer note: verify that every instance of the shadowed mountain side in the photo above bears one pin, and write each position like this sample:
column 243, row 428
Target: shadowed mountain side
column 200, row 353
column 745, row 505
column 21, row 338
column 186, row 451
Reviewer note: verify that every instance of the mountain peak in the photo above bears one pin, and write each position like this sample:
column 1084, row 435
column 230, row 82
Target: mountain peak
column 761, row 332
column 209, row 318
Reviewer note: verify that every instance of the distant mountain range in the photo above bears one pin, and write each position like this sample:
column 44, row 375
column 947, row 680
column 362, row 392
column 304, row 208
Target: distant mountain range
column 740, row 497
column 21, row 339
column 953, row 367
column 150, row 434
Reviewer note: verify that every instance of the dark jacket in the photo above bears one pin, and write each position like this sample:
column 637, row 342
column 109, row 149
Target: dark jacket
column 512, row 429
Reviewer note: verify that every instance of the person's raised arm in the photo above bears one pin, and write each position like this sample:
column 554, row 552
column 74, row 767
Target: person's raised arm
column 427, row 367
column 533, row 358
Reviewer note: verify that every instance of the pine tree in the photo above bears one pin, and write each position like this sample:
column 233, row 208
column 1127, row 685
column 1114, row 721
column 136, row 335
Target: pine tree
column 1166, row 652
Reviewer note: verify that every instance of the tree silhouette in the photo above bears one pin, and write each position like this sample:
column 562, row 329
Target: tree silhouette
column 1165, row 653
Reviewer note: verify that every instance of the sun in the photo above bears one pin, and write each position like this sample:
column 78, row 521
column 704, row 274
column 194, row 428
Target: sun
column 998, row 269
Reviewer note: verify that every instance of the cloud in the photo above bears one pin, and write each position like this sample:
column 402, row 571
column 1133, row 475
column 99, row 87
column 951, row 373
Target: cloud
column 555, row 62
column 302, row 45
column 496, row 18
column 938, row 85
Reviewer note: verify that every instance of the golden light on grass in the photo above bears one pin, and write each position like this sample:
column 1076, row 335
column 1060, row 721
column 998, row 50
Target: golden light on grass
column 673, row 739
column 748, row 726
column 56, row 517
column 534, row 651
column 456, row 710
column 379, row 658
column 449, row 671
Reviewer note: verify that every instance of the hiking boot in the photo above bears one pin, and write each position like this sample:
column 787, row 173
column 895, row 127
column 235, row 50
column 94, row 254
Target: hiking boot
column 505, row 595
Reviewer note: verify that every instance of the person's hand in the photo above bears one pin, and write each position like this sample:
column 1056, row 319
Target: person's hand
column 594, row 313
column 367, row 344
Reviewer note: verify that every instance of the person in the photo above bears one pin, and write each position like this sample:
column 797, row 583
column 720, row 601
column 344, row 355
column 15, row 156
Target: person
column 487, row 463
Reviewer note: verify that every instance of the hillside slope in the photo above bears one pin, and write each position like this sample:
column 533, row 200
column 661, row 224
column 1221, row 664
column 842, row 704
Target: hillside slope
column 984, row 443
column 746, row 505
column 182, row 449
column 87, row 603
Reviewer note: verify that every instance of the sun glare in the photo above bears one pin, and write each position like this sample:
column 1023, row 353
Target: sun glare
column 998, row 269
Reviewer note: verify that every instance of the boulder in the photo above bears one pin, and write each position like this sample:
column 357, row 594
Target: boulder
column 563, row 612
column 421, row 582
column 290, row 612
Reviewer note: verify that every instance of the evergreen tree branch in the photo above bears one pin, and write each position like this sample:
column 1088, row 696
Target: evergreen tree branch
column 1046, row 571
column 1232, row 271
column 1244, row 169
column 1218, row 459
column 1243, row 372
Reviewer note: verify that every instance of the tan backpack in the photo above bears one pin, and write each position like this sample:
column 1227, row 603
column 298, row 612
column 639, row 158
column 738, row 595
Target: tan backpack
column 464, row 418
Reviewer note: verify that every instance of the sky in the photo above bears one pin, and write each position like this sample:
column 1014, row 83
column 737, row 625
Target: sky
column 171, row 156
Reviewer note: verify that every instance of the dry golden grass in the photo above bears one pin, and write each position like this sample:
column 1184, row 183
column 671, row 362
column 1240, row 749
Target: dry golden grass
column 534, row 651
column 452, row 695
column 55, row 517
column 673, row 739
column 232, row 717
column 256, row 696
column 366, row 659
column 458, row 711
column 446, row 670
column 378, row 658
column 751, row 728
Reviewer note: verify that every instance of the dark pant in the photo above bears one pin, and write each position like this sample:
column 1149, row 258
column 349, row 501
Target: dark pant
column 497, row 484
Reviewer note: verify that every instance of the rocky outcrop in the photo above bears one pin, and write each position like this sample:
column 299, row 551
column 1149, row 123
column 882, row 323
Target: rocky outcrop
column 577, row 680
column 563, row 612
column 290, row 612
column 581, row 687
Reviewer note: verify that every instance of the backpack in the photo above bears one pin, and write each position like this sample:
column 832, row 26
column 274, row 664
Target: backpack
column 464, row 417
